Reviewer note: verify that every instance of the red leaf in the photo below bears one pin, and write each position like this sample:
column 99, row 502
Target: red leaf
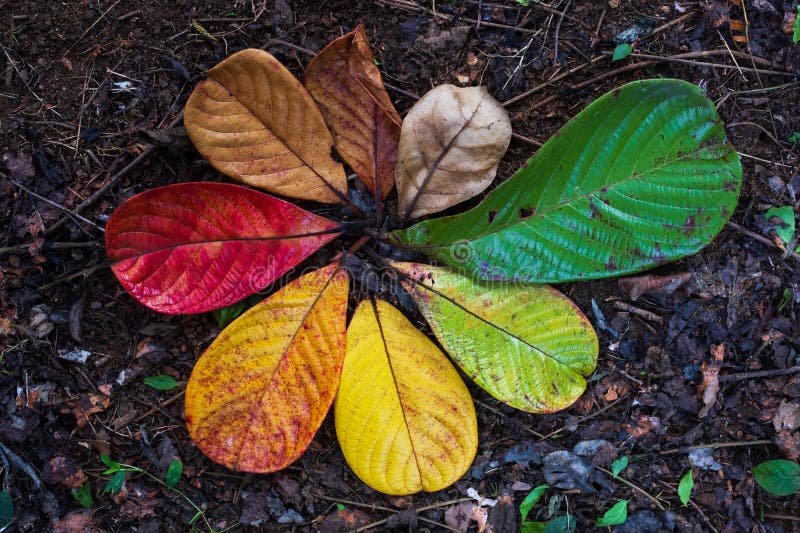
column 194, row 247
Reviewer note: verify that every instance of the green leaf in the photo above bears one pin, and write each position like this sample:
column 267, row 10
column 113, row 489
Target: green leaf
column 112, row 465
column 561, row 524
column 525, row 3
column 614, row 516
column 526, row 345
column 640, row 177
column 6, row 509
column 226, row 315
column 795, row 136
column 685, row 487
column 173, row 473
column 796, row 27
column 115, row 483
column 84, row 495
column 619, row 465
column 161, row 382
column 785, row 227
column 530, row 500
column 786, row 297
column 621, row 52
column 778, row 477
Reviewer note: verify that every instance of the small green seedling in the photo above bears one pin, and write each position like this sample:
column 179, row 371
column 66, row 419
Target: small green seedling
column 685, row 487
column 161, row 382
column 614, row 516
column 119, row 472
column 621, row 52
column 619, row 465
column 84, row 495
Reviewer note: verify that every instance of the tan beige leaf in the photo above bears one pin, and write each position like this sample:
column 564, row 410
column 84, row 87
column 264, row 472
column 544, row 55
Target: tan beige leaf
column 255, row 122
column 450, row 145
column 345, row 82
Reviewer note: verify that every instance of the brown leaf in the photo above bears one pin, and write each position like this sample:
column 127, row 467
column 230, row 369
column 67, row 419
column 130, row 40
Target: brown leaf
column 75, row 522
column 459, row 516
column 709, row 387
column 636, row 286
column 20, row 165
column 253, row 121
column 63, row 470
column 348, row 88
column 88, row 405
column 450, row 145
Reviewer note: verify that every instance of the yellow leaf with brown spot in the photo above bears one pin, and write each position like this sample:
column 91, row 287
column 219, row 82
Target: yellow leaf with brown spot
column 260, row 392
column 404, row 418
column 255, row 122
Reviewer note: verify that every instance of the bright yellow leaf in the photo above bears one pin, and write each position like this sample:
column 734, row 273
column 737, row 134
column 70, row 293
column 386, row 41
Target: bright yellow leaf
column 404, row 418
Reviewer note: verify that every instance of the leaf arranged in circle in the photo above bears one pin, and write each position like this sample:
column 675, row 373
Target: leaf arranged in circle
column 404, row 419
column 194, row 247
column 640, row 177
column 255, row 122
column 348, row 88
column 526, row 345
column 451, row 142
column 260, row 392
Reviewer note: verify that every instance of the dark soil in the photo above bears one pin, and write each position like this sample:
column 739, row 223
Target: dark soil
column 85, row 84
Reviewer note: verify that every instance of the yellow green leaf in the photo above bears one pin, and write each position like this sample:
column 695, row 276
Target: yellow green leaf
column 404, row 418
column 259, row 393
column 527, row 345
column 255, row 122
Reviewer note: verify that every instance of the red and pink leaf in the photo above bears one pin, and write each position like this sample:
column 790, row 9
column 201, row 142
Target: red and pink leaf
column 195, row 247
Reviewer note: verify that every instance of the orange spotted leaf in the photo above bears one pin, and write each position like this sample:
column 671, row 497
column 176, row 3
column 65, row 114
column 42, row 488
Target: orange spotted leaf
column 255, row 122
column 194, row 247
column 259, row 393
column 347, row 85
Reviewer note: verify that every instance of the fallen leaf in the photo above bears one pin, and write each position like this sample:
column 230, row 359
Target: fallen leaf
column 20, row 165
column 348, row 88
column 459, row 516
column 567, row 471
column 404, row 418
column 538, row 364
column 451, row 142
column 255, row 122
column 195, row 247
column 709, row 387
column 87, row 405
column 787, row 417
column 260, row 392
column 63, row 470
column 636, row 286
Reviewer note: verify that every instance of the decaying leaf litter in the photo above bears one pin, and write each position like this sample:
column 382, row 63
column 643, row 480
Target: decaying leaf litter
column 719, row 304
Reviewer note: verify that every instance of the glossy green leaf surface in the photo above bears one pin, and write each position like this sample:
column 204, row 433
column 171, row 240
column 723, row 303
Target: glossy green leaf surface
column 640, row 177
column 526, row 345
column 778, row 476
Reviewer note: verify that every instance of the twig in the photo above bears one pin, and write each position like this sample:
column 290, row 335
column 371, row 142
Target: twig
column 58, row 206
column 102, row 15
column 159, row 406
column 558, row 29
column 10, row 250
column 528, row 140
column 638, row 311
column 676, row 59
column 148, row 150
column 744, row 376
column 759, row 126
column 760, row 238
column 696, row 507
column 634, row 486
column 714, row 446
